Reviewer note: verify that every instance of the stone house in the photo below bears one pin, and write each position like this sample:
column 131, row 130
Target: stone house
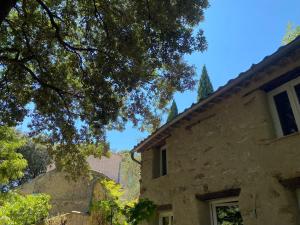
column 118, row 167
column 238, row 150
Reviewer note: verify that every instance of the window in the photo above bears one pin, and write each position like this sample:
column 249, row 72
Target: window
column 163, row 162
column 285, row 107
column 160, row 162
column 166, row 218
column 225, row 211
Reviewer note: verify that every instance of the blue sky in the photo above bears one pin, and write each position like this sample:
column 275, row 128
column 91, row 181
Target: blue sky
column 239, row 33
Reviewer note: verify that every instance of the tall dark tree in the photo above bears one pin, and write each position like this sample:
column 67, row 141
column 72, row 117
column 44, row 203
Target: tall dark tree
column 205, row 87
column 173, row 111
column 37, row 159
column 78, row 68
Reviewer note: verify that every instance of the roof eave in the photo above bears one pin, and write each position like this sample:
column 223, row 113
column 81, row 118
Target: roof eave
column 267, row 61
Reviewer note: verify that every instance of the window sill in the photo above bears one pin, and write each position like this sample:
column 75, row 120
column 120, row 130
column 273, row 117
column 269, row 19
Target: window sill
column 156, row 178
column 277, row 139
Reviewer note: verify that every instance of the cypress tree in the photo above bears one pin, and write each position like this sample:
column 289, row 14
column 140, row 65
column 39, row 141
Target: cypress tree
column 173, row 112
column 205, row 87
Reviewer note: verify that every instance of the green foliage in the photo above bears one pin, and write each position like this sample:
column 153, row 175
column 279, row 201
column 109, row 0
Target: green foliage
column 112, row 207
column 37, row 158
column 173, row 111
column 205, row 87
column 14, row 208
column 130, row 176
column 87, row 66
column 141, row 210
column 12, row 163
column 23, row 210
column 229, row 215
column 121, row 212
column 292, row 32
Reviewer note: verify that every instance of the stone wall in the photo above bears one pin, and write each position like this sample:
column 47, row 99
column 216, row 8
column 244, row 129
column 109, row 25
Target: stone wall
column 76, row 218
column 231, row 145
column 70, row 200
column 66, row 195
column 73, row 218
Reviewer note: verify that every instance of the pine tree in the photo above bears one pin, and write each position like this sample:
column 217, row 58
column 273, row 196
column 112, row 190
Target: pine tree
column 173, row 112
column 205, row 87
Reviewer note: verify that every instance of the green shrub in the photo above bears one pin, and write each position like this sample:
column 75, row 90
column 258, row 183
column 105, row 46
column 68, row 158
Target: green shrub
column 121, row 212
column 23, row 210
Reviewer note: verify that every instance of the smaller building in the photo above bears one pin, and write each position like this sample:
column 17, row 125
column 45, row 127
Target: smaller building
column 110, row 166
column 67, row 195
column 71, row 200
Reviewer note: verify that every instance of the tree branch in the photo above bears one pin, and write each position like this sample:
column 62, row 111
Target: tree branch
column 60, row 92
column 34, row 76
column 149, row 12
column 6, row 6
column 99, row 17
column 66, row 45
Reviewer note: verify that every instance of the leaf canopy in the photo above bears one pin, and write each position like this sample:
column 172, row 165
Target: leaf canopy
column 78, row 68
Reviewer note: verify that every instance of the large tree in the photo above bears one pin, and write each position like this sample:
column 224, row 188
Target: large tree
column 173, row 111
column 78, row 68
column 205, row 87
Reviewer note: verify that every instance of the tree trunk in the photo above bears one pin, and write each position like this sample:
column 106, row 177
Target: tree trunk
column 5, row 7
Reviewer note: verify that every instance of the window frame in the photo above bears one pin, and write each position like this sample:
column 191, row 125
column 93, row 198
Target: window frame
column 289, row 88
column 213, row 204
column 165, row 214
column 161, row 162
